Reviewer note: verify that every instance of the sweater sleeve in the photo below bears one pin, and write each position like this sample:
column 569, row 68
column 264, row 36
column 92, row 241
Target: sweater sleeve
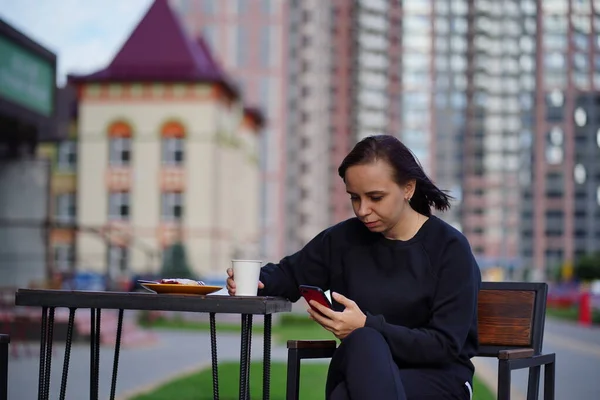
column 309, row 266
column 453, row 310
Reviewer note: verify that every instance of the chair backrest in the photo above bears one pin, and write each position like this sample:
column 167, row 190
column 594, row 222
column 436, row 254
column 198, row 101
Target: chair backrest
column 511, row 315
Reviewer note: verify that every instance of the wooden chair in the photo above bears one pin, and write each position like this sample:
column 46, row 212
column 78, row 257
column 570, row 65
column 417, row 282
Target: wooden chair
column 4, row 340
column 511, row 328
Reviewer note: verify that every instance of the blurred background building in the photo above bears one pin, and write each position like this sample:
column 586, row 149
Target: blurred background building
column 561, row 204
column 249, row 41
column 487, row 95
column 498, row 101
column 161, row 149
column 27, row 116
column 498, row 58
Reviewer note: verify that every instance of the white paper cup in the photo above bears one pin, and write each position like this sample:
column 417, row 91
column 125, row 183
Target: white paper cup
column 245, row 275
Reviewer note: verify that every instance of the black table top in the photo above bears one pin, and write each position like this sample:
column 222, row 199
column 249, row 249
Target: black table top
column 150, row 301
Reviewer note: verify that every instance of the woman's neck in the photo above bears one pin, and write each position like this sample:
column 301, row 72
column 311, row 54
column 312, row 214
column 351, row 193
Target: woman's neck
column 407, row 227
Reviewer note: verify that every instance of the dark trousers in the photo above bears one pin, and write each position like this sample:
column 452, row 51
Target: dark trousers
column 363, row 368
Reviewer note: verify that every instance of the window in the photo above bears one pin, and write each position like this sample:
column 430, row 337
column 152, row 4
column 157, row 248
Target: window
column 117, row 259
column 173, row 143
column 265, row 36
column 556, row 98
column 580, row 117
column 306, row 41
column 415, row 62
column 303, row 193
column 172, row 206
column 303, row 219
column 119, row 146
column 208, row 6
column 304, row 142
column 120, row 152
column 554, row 61
column 580, row 174
column 64, row 255
column 67, row 156
column 264, row 94
column 242, row 6
column 266, row 6
column 65, row 209
column 118, row 206
column 172, row 151
column 242, row 46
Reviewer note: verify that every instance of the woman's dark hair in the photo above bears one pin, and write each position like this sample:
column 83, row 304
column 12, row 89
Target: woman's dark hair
column 405, row 166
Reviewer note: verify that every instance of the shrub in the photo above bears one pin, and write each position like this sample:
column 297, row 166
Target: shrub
column 587, row 267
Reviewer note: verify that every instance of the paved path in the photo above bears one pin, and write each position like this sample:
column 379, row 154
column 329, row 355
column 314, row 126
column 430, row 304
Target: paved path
column 577, row 362
column 174, row 353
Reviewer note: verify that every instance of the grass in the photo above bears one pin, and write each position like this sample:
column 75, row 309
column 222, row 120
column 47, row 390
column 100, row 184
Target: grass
column 198, row 386
column 290, row 326
column 570, row 314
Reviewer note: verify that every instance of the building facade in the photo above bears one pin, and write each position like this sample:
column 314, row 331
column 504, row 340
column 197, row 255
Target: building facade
column 27, row 116
column 561, row 214
column 165, row 152
column 342, row 75
column 309, row 122
column 492, row 97
column 499, row 103
column 249, row 40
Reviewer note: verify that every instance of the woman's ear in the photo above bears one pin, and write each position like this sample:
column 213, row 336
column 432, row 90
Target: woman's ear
column 409, row 188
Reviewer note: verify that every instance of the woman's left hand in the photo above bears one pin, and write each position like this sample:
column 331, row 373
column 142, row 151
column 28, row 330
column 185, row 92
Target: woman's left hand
column 341, row 324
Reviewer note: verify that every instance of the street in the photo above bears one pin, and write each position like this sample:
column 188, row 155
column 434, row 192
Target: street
column 577, row 362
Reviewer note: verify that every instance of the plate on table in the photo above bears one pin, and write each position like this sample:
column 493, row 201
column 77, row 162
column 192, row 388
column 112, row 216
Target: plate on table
column 174, row 288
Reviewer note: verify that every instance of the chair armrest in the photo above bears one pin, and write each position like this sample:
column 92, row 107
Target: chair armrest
column 529, row 362
column 311, row 344
column 514, row 354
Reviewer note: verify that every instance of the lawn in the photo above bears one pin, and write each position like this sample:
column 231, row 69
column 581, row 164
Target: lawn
column 198, row 386
column 571, row 314
column 290, row 326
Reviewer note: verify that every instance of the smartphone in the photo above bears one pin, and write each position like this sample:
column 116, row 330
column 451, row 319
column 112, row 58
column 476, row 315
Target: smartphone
column 315, row 293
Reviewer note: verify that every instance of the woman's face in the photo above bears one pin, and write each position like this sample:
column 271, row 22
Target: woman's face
column 378, row 201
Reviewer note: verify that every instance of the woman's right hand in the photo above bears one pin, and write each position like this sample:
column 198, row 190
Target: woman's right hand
column 231, row 282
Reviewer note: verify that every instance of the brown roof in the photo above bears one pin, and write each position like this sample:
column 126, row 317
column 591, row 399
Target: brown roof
column 159, row 50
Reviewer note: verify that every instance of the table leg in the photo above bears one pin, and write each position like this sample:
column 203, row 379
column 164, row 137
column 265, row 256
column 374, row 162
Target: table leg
column 248, row 358
column 267, row 358
column 65, row 373
column 95, row 318
column 49, row 337
column 92, row 349
column 4, row 341
column 42, row 373
column 245, row 357
column 213, row 355
column 113, row 384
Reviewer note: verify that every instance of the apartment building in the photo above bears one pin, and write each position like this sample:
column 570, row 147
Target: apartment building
column 249, row 40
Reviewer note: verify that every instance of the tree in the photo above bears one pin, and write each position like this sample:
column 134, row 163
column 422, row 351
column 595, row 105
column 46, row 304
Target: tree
column 588, row 267
column 175, row 264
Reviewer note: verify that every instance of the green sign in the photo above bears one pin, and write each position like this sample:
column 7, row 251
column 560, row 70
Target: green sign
column 25, row 78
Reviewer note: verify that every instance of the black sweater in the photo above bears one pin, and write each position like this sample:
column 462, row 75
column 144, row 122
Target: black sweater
column 421, row 294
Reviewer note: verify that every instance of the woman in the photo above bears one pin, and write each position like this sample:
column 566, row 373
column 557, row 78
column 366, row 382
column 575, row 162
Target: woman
column 404, row 283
